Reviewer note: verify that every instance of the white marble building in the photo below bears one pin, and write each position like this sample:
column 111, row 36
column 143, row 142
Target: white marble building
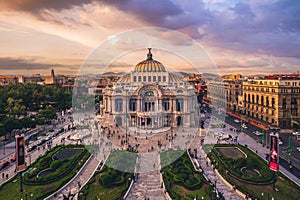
column 151, row 98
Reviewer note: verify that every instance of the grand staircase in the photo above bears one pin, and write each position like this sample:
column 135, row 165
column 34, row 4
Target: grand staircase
column 148, row 183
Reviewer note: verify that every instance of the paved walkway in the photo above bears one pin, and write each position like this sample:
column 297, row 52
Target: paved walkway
column 208, row 171
column 73, row 187
column 148, row 184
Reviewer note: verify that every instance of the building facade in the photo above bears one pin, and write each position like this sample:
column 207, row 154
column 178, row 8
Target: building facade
column 151, row 97
column 273, row 100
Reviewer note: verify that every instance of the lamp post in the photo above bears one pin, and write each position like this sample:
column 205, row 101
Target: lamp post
column 126, row 113
column 3, row 147
column 263, row 137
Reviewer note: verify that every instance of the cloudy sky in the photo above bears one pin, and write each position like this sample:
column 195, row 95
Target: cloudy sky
column 249, row 37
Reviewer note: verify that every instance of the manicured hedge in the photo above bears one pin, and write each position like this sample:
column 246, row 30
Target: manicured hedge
column 109, row 179
column 252, row 161
column 61, row 170
column 181, row 173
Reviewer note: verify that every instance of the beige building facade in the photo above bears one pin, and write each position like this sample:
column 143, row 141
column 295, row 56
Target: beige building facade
column 272, row 101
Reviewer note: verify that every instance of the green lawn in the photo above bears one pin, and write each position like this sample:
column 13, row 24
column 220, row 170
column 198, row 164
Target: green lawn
column 39, row 188
column 256, row 186
column 230, row 152
column 182, row 181
column 122, row 161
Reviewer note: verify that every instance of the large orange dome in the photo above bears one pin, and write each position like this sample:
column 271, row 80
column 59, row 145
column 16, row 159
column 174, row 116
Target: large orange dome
column 149, row 65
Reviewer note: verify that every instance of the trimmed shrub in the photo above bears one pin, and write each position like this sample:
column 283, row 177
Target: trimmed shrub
column 56, row 164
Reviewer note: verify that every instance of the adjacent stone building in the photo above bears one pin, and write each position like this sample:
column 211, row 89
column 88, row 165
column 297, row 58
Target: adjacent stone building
column 273, row 100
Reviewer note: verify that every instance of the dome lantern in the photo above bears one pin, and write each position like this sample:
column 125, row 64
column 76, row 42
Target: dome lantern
column 149, row 55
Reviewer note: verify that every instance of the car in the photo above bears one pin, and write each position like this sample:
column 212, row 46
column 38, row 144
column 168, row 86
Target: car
column 32, row 148
column 280, row 141
column 257, row 133
column 4, row 165
column 295, row 133
column 237, row 121
column 244, row 126
column 13, row 159
column 298, row 148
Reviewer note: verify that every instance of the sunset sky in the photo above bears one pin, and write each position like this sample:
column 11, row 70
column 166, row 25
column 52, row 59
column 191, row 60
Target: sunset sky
column 248, row 37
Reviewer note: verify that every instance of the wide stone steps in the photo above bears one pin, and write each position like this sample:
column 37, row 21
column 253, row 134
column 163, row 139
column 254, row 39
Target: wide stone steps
column 148, row 184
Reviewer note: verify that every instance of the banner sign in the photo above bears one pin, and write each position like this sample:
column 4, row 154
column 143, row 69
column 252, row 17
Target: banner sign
column 20, row 152
column 274, row 153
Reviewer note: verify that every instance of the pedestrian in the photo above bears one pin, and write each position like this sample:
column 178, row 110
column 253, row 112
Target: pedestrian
column 6, row 176
column 2, row 175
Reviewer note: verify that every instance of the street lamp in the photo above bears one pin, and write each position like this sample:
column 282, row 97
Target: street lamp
column 3, row 147
column 126, row 113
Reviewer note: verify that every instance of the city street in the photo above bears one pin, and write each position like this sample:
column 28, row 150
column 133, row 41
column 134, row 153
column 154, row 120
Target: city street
column 9, row 171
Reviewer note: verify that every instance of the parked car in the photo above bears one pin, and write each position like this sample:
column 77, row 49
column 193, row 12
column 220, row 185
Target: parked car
column 13, row 159
column 32, row 148
column 237, row 121
column 4, row 165
column 257, row 133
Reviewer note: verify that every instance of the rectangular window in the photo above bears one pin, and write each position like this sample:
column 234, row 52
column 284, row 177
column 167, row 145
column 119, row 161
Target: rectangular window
column 154, row 78
column 140, row 78
column 179, row 105
column 149, row 78
column 134, row 79
column 159, row 78
column 164, row 78
column 144, row 78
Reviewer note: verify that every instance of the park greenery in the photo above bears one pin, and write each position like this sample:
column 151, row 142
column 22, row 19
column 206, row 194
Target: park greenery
column 27, row 105
column 48, row 173
column 181, row 180
column 251, row 175
column 110, row 183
